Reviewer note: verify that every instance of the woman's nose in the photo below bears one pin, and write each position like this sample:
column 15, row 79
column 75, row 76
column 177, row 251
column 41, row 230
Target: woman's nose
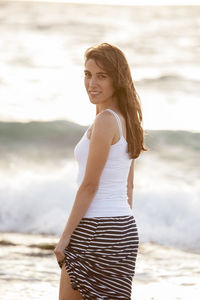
column 92, row 82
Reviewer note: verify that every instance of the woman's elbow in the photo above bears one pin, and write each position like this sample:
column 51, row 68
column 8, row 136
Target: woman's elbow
column 130, row 186
column 89, row 187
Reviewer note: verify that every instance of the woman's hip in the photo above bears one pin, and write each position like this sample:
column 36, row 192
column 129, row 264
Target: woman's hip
column 106, row 235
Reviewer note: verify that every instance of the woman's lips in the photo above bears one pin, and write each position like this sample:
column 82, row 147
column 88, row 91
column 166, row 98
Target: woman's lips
column 94, row 93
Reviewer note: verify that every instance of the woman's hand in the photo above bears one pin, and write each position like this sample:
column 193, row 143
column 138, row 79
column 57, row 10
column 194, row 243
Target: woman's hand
column 59, row 251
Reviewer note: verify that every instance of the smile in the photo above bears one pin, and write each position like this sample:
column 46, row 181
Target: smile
column 94, row 93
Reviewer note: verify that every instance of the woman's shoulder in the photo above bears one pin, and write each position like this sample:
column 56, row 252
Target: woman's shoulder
column 108, row 115
column 107, row 120
column 102, row 122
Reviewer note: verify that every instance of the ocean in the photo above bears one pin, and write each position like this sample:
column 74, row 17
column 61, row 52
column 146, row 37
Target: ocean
column 42, row 46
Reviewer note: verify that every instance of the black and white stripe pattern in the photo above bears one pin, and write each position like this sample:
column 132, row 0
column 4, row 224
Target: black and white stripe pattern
column 100, row 258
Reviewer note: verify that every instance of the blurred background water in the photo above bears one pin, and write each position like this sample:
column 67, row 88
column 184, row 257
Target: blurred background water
column 45, row 111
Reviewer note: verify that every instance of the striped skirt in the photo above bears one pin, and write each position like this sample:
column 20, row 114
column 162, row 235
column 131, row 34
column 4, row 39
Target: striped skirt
column 100, row 258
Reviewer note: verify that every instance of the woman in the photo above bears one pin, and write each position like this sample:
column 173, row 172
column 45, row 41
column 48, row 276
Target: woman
column 98, row 248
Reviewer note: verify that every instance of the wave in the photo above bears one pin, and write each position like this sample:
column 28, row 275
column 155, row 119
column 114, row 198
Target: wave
column 63, row 132
column 31, row 140
column 34, row 195
column 169, row 79
column 42, row 206
column 169, row 217
column 56, row 140
column 39, row 132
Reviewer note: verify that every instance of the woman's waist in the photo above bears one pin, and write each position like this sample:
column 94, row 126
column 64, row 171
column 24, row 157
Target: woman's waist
column 111, row 197
column 106, row 209
column 111, row 201
column 112, row 188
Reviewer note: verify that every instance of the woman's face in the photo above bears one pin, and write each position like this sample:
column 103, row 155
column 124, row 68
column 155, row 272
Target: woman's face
column 98, row 83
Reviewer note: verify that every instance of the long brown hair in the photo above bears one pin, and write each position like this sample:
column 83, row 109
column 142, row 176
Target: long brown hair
column 114, row 62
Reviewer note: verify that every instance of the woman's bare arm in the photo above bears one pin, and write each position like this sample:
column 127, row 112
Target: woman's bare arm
column 130, row 184
column 100, row 142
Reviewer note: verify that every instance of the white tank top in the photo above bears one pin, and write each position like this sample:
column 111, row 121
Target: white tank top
column 111, row 197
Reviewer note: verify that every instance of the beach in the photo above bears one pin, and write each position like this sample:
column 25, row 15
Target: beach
column 29, row 270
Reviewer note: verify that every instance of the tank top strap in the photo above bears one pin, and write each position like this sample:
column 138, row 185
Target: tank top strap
column 118, row 120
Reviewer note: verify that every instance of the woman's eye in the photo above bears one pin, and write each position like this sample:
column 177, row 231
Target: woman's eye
column 87, row 75
column 102, row 76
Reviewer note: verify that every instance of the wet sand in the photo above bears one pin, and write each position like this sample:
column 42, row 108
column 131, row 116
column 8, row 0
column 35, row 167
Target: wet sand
column 29, row 270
